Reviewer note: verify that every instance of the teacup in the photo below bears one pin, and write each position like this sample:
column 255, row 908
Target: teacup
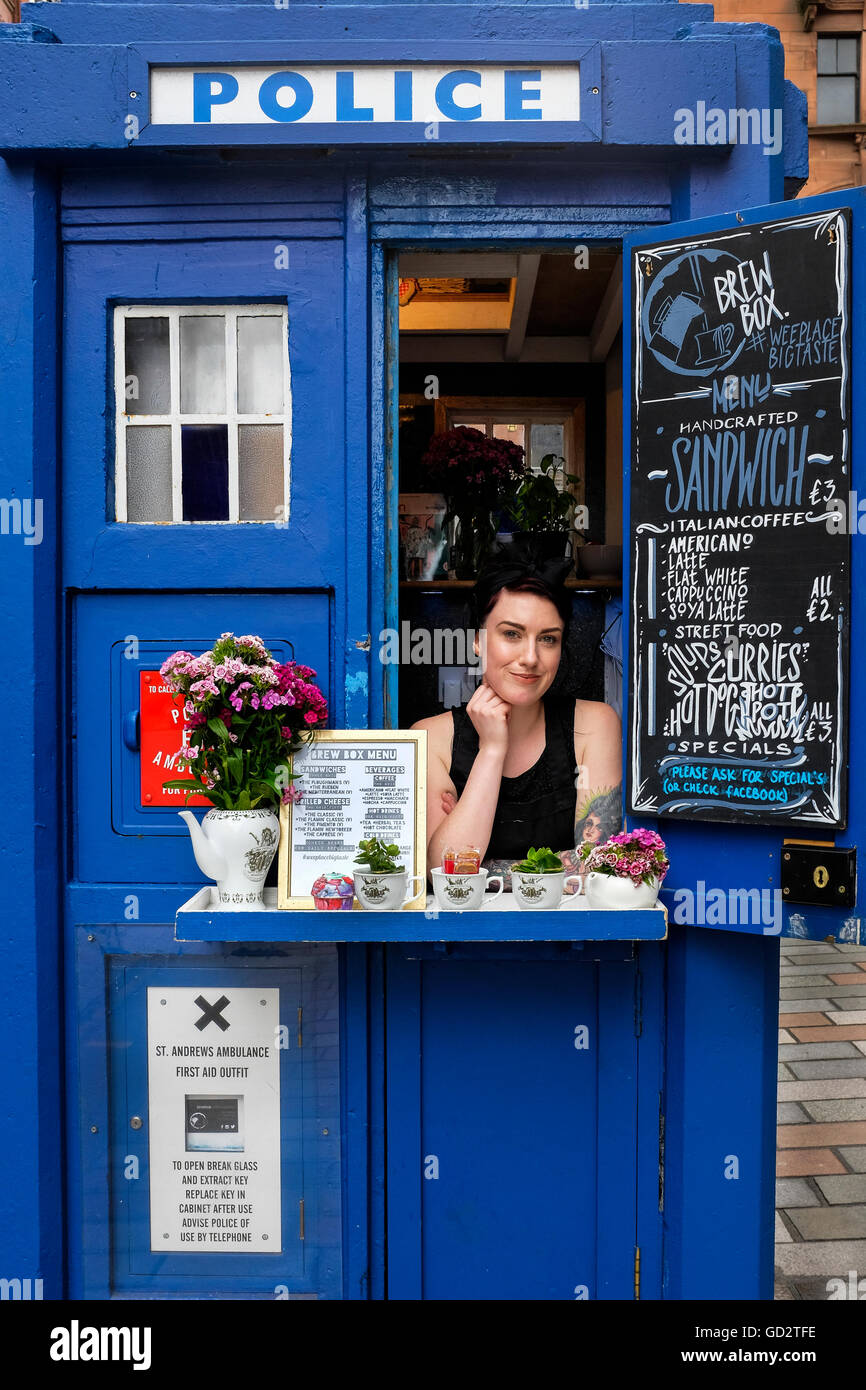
column 462, row 892
column 386, row 892
column 543, row 891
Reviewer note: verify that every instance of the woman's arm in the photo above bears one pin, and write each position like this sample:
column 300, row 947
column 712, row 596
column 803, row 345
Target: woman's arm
column 471, row 820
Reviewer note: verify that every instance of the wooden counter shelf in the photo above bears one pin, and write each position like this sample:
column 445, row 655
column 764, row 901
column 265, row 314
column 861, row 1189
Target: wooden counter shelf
column 499, row 920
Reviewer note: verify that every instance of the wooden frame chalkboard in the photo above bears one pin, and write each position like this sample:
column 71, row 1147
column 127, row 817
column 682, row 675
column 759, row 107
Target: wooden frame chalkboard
column 739, row 534
column 355, row 783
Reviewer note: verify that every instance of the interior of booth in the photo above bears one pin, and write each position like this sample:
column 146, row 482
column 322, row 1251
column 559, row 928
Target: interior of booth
column 524, row 346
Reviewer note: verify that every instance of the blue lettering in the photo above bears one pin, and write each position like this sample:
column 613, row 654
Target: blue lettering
column 445, row 95
column 346, row 108
column 205, row 94
column 517, row 94
column 402, row 96
column 274, row 84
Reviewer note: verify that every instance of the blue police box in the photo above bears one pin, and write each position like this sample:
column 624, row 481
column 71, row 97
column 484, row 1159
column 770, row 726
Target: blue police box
column 220, row 200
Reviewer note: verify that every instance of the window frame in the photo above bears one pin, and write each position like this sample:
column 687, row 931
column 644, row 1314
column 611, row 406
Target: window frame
column 175, row 419
column 856, row 38
column 453, row 411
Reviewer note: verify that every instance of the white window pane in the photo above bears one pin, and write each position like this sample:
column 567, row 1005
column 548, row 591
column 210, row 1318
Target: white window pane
column 260, row 471
column 514, row 433
column 147, row 389
column 837, row 100
column 826, row 55
column 202, row 364
column 544, row 440
column 148, row 473
column 260, row 365
column 846, row 55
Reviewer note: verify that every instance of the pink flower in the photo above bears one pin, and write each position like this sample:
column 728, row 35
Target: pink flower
column 311, row 717
column 292, row 794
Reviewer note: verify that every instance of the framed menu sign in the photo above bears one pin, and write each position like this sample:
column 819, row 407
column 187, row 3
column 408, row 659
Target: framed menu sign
column 355, row 784
column 739, row 543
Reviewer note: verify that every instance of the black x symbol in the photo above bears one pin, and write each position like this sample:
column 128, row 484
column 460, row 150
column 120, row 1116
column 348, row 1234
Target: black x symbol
column 210, row 1013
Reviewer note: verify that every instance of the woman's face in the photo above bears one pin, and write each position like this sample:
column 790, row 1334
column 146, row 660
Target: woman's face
column 523, row 641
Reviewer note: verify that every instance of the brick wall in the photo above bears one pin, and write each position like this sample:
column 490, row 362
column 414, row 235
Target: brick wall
column 837, row 160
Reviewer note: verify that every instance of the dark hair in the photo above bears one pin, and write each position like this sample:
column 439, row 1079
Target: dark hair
column 519, row 568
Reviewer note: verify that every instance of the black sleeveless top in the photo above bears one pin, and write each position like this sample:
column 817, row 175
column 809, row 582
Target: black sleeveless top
column 536, row 808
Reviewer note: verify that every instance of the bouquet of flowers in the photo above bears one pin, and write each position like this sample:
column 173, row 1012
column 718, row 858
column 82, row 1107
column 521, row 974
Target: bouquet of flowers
column 635, row 854
column 474, row 472
column 246, row 713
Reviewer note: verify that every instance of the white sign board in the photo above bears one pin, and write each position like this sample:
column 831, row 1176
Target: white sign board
column 365, row 94
column 213, row 1078
column 356, row 784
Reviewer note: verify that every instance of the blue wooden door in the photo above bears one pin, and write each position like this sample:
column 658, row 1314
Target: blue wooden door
column 512, row 1142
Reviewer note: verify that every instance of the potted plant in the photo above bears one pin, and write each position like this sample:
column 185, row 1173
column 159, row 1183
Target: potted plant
column 245, row 715
column 381, row 883
column 474, row 472
column 538, row 880
column 625, row 872
column 542, row 510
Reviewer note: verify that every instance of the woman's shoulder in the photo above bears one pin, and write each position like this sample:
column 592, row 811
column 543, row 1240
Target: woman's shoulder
column 440, row 731
column 595, row 717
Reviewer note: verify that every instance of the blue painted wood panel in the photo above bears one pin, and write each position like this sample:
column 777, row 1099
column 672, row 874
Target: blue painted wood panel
column 512, row 1100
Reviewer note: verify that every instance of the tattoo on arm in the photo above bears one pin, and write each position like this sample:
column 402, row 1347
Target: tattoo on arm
column 598, row 816
column 501, row 868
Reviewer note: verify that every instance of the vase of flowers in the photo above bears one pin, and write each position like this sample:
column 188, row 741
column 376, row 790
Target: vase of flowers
column 474, row 472
column 626, row 871
column 245, row 714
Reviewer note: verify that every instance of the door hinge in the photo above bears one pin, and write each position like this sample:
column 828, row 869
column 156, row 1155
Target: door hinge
column 300, row 1025
column 301, row 1233
column 638, row 1004
column 637, row 1273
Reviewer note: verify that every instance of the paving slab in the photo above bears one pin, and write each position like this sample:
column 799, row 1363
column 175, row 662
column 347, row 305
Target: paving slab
column 789, row 1113
column 841, row 1190
column 812, row 1070
column 799, row 1007
column 787, row 984
column 835, row 1088
column 831, row 1258
column 795, row 1192
column 844, row 1109
column 855, row 1157
column 785, row 1037
column 838, row 968
column 841, row 976
column 815, row 1136
column 860, row 1044
column 782, row 1234
column 812, row 1052
column 830, row 1032
column 784, row 1073
column 842, row 992
column 798, row 1163
column 829, row 1223
column 849, row 1016
column 804, row 1020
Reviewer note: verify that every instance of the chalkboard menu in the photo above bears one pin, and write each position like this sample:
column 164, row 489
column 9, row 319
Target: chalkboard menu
column 740, row 524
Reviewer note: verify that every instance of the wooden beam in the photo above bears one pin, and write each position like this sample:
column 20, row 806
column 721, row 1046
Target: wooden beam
column 474, row 347
column 527, row 274
column 608, row 320
column 481, row 265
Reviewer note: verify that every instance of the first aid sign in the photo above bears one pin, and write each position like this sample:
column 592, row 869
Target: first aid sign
column 366, row 94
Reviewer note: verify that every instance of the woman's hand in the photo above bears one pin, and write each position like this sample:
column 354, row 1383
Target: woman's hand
column 489, row 715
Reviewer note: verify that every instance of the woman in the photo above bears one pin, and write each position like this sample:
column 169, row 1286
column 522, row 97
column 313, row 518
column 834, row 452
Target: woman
column 517, row 768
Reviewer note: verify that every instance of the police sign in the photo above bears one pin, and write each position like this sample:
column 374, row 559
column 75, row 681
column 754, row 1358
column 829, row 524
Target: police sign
column 367, row 94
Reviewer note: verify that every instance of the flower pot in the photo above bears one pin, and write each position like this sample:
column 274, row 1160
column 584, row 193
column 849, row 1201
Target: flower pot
column 385, row 892
column 540, row 891
column 607, row 892
column 236, row 848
